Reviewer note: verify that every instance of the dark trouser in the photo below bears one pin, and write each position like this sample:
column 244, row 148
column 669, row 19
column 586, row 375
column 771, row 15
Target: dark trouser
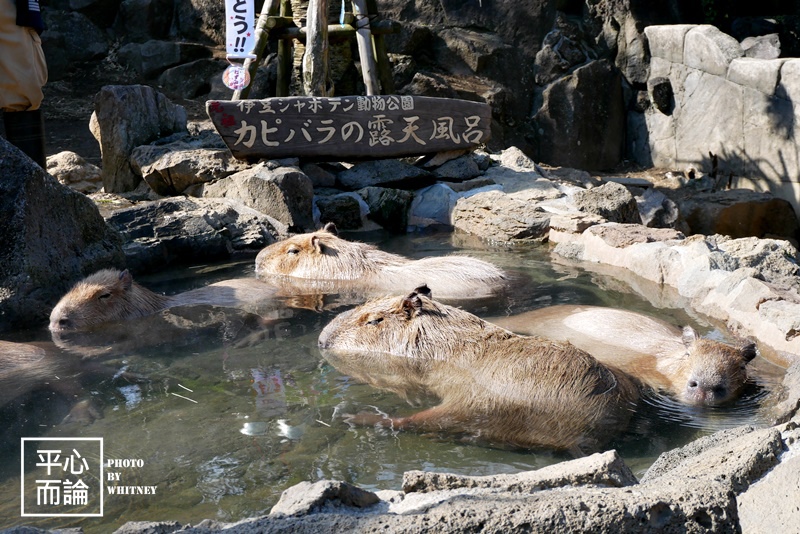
column 25, row 130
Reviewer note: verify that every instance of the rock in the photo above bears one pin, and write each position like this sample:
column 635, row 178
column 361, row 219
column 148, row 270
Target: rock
column 70, row 38
column 709, row 50
column 388, row 207
column 611, row 201
column 285, row 193
column 319, row 176
column 143, row 20
column 780, row 486
column 307, row 497
column 344, row 210
column 126, row 117
column 183, row 230
column 738, row 213
column 661, row 95
column 459, row 169
column 50, row 237
column 603, row 469
column 429, row 84
column 656, row 210
column 762, row 47
column 154, row 57
column 497, row 216
column 191, row 80
column 72, row 170
column 169, row 170
column 581, row 122
column 149, row 527
column 391, row 173
column 561, row 51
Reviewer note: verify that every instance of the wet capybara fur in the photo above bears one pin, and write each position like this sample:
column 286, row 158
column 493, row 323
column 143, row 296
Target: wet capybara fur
column 493, row 385
column 110, row 295
column 693, row 370
column 324, row 256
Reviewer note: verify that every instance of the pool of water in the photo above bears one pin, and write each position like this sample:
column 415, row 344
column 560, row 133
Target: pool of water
column 221, row 413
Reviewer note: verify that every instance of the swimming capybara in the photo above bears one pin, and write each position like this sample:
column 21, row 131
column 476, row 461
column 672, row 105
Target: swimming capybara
column 695, row 371
column 493, row 385
column 110, row 295
column 323, row 256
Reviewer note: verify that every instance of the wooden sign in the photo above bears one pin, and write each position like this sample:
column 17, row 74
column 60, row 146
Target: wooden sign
column 349, row 126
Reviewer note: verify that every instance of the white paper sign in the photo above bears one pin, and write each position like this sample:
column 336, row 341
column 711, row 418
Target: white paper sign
column 240, row 33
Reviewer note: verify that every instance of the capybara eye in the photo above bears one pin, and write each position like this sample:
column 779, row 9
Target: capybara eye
column 375, row 321
column 103, row 296
column 293, row 250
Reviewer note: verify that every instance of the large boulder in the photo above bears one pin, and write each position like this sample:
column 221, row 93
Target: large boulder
column 70, row 38
column 285, row 193
column 179, row 230
column 581, row 122
column 126, row 117
column 50, row 236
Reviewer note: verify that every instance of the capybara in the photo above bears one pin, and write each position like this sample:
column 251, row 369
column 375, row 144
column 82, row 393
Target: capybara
column 110, row 295
column 493, row 385
column 323, row 256
column 695, row 371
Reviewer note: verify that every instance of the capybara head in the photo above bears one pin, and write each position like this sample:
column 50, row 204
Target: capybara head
column 709, row 372
column 320, row 255
column 107, row 295
column 412, row 326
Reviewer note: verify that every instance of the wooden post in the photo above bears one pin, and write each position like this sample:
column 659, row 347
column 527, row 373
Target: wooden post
column 316, row 78
column 364, row 40
column 269, row 8
column 284, row 56
column 381, row 57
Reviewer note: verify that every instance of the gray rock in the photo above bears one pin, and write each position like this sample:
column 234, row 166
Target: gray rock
column 149, row 527
column 602, row 469
column 126, row 117
column 182, row 230
column 169, row 170
column 459, row 169
column 307, row 497
column 478, row 50
column 661, row 94
column 738, row 213
column 497, row 216
column 319, row 176
column 143, row 20
column 72, row 170
column 154, row 57
column 656, row 210
column 760, row 75
column 343, row 210
column 385, row 173
column 779, row 487
column 667, row 41
column 69, row 38
column 762, row 46
column 582, row 119
column 50, row 236
column 709, row 50
column 193, row 79
column 432, row 206
column 388, row 207
column 285, row 194
column 611, row 201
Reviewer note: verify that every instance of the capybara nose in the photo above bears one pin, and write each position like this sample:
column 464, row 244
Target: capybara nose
column 62, row 324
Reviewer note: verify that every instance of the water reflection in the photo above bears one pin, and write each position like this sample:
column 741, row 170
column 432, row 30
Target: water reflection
column 227, row 409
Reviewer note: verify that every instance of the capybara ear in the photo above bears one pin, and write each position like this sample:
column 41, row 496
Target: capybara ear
column 331, row 228
column 411, row 305
column 423, row 290
column 126, row 279
column 689, row 335
column 749, row 352
column 316, row 243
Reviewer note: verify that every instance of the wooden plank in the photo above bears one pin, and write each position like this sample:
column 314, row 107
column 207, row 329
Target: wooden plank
column 316, row 75
column 348, row 126
column 284, row 56
column 364, row 41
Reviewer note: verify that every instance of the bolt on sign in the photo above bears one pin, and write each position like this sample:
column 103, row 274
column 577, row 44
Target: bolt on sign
column 378, row 126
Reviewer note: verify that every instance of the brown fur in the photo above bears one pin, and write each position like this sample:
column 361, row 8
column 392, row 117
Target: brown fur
column 110, row 295
column 695, row 371
column 492, row 384
column 323, row 256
